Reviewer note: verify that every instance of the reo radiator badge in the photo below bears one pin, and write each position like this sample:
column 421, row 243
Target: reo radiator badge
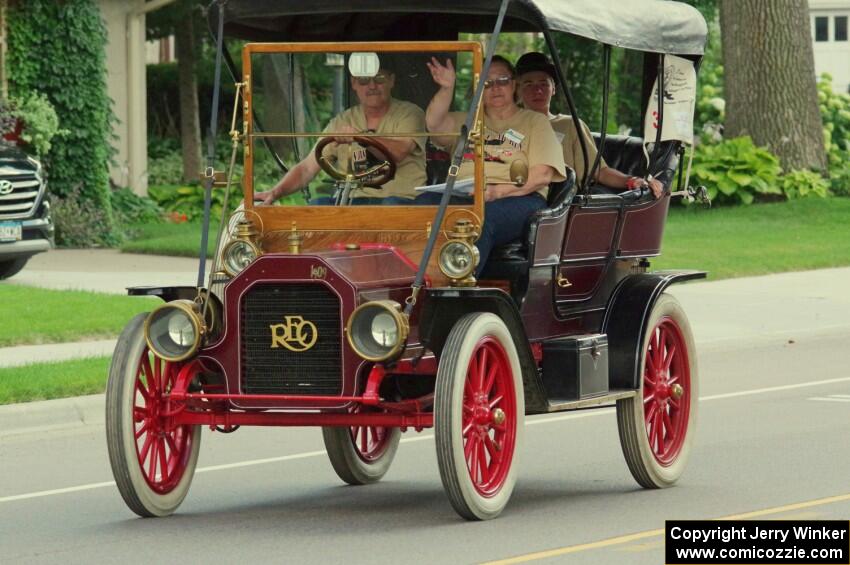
column 297, row 334
column 317, row 272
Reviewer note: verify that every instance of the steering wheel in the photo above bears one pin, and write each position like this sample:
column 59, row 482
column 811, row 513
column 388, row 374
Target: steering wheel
column 377, row 175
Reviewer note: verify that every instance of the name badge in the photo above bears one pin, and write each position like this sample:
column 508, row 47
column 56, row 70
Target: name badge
column 514, row 137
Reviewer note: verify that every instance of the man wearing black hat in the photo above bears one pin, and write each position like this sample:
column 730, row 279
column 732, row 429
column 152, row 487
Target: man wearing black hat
column 536, row 88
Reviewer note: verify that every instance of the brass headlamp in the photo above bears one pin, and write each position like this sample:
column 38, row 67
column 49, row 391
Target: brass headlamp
column 458, row 255
column 242, row 251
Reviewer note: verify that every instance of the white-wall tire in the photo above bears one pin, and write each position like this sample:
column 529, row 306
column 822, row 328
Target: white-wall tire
column 657, row 426
column 479, row 413
column 153, row 481
column 361, row 455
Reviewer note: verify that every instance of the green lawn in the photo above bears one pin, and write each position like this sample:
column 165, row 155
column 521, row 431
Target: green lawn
column 183, row 240
column 35, row 315
column 43, row 381
column 752, row 240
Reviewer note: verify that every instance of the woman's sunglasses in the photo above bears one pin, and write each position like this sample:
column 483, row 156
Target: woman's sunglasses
column 377, row 79
column 501, row 81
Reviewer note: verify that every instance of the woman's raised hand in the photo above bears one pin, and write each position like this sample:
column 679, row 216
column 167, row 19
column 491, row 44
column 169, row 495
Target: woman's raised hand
column 443, row 75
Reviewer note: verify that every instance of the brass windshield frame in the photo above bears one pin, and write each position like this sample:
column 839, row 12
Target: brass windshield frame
column 413, row 218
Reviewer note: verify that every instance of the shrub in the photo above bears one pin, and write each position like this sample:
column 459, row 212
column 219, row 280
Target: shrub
column 835, row 112
column 167, row 169
column 130, row 208
column 40, row 122
column 8, row 121
column 189, row 200
column 75, row 219
column 735, row 171
column 57, row 48
column 803, row 183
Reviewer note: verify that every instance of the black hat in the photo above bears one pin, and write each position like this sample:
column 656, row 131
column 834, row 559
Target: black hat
column 535, row 61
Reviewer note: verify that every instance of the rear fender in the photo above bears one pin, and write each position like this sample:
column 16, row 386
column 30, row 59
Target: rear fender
column 443, row 307
column 626, row 318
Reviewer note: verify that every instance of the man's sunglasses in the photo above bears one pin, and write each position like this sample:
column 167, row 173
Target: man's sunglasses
column 377, row 79
column 501, row 81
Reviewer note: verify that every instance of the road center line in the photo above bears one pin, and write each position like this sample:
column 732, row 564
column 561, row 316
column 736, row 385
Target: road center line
column 619, row 540
column 308, row 454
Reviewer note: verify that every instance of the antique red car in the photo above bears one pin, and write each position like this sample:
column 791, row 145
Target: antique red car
column 367, row 320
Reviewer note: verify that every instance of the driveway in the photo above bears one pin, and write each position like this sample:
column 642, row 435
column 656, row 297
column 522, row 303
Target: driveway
column 105, row 270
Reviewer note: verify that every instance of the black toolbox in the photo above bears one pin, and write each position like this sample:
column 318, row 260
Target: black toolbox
column 576, row 367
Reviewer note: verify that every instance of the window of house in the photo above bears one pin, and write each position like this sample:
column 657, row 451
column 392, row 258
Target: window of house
column 840, row 28
column 822, row 28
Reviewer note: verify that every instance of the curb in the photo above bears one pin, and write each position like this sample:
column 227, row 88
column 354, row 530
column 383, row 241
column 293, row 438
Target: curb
column 51, row 415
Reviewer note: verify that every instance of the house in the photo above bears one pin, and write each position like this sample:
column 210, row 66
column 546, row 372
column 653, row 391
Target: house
column 126, row 56
column 829, row 20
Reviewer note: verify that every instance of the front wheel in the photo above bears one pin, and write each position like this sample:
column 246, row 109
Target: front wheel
column 657, row 426
column 479, row 411
column 361, row 454
column 12, row 267
column 152, row 461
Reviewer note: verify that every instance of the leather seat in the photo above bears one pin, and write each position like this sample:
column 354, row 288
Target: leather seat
column 626, row 154
column 511, row 261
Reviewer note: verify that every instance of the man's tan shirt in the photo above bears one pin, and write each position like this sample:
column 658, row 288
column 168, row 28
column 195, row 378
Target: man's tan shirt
column 566, row 133
column 402, row 117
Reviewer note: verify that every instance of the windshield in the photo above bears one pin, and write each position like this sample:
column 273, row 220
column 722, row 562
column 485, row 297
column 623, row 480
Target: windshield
column 301, row 100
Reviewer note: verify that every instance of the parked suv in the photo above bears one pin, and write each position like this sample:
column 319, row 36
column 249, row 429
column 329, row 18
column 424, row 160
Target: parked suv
column 26, row 227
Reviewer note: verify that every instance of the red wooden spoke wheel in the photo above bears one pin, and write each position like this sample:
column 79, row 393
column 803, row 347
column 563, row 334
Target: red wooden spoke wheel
column 361, row 454
column 153, row 461
column 489, row 416
column 163, row 450
column 666, row 391
column 370, row 442
column 657, row 426
column 478, row 415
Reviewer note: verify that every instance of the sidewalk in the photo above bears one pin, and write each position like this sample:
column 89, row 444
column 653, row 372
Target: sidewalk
column 733, row 313
column 26, row 354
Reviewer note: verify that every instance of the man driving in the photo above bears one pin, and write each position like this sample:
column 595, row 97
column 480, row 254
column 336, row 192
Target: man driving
column 377, row 112
column 536, row 89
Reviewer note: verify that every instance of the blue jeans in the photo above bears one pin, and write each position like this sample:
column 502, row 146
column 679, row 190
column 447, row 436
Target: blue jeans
column 504, row 222
column 364, row 201
column 433, row 199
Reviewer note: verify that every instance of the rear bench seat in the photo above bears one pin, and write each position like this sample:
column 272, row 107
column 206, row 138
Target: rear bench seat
column 624, row 153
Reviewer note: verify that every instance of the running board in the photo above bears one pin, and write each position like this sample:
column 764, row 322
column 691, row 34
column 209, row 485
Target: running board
column 556, row 405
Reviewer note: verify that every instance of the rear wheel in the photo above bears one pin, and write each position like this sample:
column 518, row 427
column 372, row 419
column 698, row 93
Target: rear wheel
column 361, row 454
column 152, row 460
column 12, row 267
column 657, row 426
column 479, row 411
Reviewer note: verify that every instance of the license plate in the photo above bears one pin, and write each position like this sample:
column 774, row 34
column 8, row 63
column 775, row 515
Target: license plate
column 10, row 231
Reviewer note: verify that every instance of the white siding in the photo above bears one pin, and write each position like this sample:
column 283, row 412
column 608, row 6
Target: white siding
column 832, row 56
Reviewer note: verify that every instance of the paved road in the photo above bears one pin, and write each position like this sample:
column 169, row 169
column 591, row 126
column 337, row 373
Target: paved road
column 772, row 437
column 766, row 439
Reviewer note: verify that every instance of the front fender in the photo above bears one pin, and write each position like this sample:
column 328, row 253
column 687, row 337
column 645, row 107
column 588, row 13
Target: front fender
column 167, row 293
column 626, row 317
column 443, row 307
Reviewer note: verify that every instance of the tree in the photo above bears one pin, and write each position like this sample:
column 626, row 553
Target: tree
column 770, row 86
column 182, row 19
